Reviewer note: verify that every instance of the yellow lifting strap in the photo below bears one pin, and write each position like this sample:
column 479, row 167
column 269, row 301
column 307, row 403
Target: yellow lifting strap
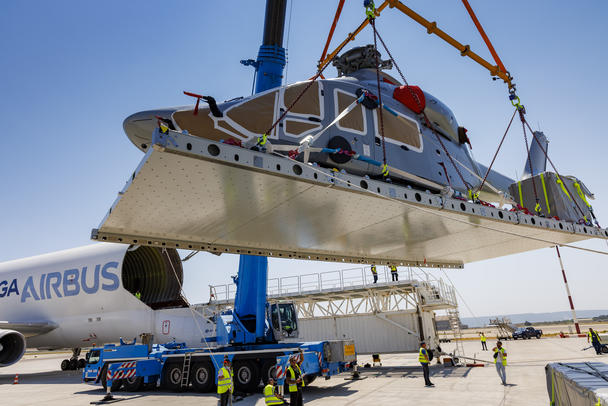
column 581, row 194
column 561, row 184
column 521, row 196
column 385, row 170
column 542, row 180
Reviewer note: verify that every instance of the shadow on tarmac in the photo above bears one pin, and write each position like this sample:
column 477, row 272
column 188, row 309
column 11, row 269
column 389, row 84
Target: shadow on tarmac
column 415, row 371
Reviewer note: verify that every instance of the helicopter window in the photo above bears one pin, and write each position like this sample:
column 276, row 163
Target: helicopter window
column 300, row 128
column 256, row 115
column 400, row 130
column 355, row 120
column 310, row 103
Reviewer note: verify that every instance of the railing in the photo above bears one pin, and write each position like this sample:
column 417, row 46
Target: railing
column 435, row 291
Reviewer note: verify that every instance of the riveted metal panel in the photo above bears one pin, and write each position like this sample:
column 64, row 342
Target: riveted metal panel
column 197, row 194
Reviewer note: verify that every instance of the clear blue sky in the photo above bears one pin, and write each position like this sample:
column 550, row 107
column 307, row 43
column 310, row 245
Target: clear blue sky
column 71, row 71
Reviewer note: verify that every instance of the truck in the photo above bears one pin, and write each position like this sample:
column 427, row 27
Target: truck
column 252, row 335
column 527, row 333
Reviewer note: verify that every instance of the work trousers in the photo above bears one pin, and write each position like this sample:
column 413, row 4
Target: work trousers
column 225, row 399
column 502, row 372
column 484, row 346
column 395, row 276
column 375, row 277
column 425, row 372
column 597, row 346
column 295, row 398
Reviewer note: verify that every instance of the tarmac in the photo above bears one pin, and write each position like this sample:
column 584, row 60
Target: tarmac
column 397, row 382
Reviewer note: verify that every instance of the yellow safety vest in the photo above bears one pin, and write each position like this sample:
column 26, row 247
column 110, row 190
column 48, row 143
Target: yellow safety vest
column 293, row 387
column 374, row 271
column 270, row 397
column 138, row 295
column 393, row 268
column 594, row 333
column 421, row 356
column 225, row 384
column 504, row 356
column 483, row 339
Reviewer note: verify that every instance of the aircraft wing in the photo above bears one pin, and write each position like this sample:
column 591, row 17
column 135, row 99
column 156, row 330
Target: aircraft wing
column 28, row 329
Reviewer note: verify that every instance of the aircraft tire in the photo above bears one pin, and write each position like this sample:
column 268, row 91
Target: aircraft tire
column 73, row 364
column 133, row 384
column 82, row 363
column 246, row 376
column 269, row 370
column 172, row 376
column 203, row 376
column 65, row 364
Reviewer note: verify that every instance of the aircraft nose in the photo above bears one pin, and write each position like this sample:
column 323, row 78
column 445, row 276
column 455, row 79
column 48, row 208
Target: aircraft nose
column 139, row 126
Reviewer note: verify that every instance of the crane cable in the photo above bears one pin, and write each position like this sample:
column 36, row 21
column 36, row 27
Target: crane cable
column 372, row 23
column 426, row 119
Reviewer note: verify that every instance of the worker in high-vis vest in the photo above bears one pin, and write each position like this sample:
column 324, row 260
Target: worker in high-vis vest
column 423, row 358
column 224, row 383
column 394, row 273
column 500, row 359
column 594, row 337
column 271, row 397
column 482, row 337
column 295, row 379
column 375, row 273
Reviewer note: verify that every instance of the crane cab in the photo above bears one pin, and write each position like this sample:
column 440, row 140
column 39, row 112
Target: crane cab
column 284, row 320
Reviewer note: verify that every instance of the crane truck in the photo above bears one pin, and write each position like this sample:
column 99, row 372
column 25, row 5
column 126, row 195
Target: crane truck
column 252, row 335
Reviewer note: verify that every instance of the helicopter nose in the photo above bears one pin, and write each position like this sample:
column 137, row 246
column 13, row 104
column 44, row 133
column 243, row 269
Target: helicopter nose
column 139, row 126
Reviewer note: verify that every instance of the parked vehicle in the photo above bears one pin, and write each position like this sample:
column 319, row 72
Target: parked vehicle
column 527, row 333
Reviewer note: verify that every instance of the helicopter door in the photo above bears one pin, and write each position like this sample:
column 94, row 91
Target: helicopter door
column 284, row 320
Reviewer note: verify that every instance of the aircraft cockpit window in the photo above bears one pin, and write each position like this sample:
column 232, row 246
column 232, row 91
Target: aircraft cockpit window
column 355, row 121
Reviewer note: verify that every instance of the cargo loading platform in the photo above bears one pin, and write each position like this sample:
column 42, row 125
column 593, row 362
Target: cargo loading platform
column 192, row 193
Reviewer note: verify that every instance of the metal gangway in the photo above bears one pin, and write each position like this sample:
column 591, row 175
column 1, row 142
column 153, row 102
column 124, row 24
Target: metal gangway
column 351, row 291
column 504, row 327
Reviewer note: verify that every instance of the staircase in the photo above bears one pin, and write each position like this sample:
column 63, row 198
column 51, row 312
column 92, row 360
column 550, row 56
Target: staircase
column 454, row 319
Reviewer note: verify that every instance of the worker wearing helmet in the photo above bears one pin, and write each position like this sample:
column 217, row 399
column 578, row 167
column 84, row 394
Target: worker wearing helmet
column 295, row 379
column 224, row 383
column 271, row 397
column 394, row 273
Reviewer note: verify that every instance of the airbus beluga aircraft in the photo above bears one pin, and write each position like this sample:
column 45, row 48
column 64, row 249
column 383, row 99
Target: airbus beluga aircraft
column 85, row 296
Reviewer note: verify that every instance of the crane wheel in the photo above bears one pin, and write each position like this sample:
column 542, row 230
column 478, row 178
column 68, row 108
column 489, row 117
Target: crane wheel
column 203, row 376
column 246, row 376
column 172, row 376
column 269, row 370
column 133, row 384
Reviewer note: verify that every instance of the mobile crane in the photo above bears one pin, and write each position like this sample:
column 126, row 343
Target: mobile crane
column 250, row 334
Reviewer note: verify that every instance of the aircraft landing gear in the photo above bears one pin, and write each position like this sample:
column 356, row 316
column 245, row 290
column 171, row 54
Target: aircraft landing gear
column 74, row 362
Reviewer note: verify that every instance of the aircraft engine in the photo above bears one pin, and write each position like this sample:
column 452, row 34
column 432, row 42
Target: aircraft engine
column 12, row 347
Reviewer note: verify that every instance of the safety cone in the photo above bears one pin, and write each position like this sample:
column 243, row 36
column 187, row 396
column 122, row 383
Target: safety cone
column 16, row 380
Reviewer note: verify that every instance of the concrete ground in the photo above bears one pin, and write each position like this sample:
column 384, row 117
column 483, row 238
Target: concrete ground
column 398, row 381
